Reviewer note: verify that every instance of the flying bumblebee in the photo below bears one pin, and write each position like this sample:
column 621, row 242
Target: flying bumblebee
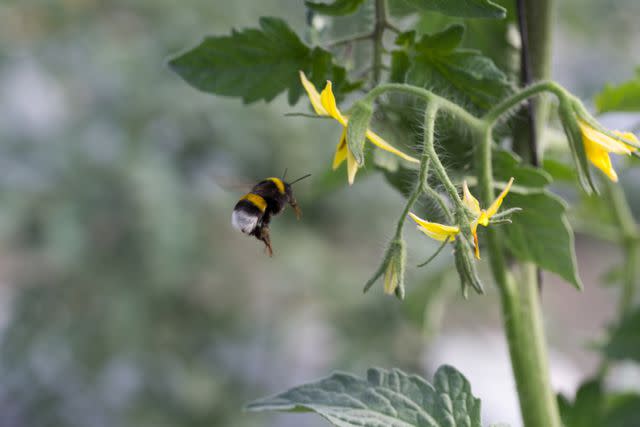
column 254, row 210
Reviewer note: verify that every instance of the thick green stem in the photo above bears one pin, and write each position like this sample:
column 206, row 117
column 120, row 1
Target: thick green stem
column 377, row 35
column 521, row 316
column 539, row 16
column 543, row 411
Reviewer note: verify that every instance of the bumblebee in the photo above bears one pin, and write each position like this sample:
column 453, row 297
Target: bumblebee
column 254, row 210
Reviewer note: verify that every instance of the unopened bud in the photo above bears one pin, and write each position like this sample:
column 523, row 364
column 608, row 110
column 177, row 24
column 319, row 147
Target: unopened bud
column 394, row 273
column 466, row 266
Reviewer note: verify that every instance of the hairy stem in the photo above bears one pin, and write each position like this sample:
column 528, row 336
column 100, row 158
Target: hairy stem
column 420, row 187
column 429, row 124
column 443, row 104
column 518, row 98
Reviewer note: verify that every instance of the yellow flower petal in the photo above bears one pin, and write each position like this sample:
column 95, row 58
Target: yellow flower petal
column 469, row 201
column 390, row 279
column 352, row 167
column 329, row 104
column 607, row 143
column 434, row 230
column 377, row 140
column 341, row 150
column 493, row 209
column 599, row 157
column 314, row 96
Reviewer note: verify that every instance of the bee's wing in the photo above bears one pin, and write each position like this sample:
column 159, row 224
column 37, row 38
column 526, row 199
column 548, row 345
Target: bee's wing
column 234, row 184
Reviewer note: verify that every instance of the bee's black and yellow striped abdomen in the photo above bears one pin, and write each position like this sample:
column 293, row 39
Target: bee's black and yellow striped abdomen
column 253, row 199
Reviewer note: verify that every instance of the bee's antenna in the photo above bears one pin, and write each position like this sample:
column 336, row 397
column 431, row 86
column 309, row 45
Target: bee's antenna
column 284, row 174
column 300, row 179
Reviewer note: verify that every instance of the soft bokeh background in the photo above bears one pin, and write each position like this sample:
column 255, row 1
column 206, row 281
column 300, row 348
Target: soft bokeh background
column 127, row 299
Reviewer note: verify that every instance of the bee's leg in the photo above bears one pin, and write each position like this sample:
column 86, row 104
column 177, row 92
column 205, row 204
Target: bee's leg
column 264, row 237
column 295, row 207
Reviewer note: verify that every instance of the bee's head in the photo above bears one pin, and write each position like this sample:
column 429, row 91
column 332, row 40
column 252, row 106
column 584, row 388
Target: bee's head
column 288, row 189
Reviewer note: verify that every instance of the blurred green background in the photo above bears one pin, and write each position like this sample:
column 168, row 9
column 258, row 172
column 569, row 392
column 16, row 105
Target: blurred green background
column 126, row 298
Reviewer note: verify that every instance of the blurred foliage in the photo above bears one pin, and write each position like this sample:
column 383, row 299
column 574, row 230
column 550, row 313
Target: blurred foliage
column 623, row 97
column 624, row 342
column 127, row 299
column 594, row 408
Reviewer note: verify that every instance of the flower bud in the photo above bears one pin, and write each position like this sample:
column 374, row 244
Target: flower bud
column 392, row 267
column 466, row 266
column 394, row 272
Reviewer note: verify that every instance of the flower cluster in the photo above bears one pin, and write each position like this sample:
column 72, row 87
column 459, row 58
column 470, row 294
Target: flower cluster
column 482, row 217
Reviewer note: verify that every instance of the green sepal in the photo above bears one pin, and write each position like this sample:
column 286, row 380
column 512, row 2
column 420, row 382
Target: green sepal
column 466, row 266
column 574, row 137
column 359, row 118
column 585, row 116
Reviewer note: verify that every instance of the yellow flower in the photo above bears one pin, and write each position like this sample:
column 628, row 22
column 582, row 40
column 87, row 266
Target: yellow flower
column 598, row 145
column 324, row 104
column 443, row 232
column 482, row 216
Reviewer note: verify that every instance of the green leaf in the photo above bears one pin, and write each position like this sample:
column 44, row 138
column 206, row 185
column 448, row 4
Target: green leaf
column 443, row 42
column 461, row 8
column 594, row 408
column 624, row 97
column 588, row 408
column 507, row 164
column 406, row 39
column 384, row 398
column 258, row 64
column 624, row 341
column 623, row 410
column 464, row 75
column 337, row 8
column 541, row 232
column 399, row 66
column 559, row 171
